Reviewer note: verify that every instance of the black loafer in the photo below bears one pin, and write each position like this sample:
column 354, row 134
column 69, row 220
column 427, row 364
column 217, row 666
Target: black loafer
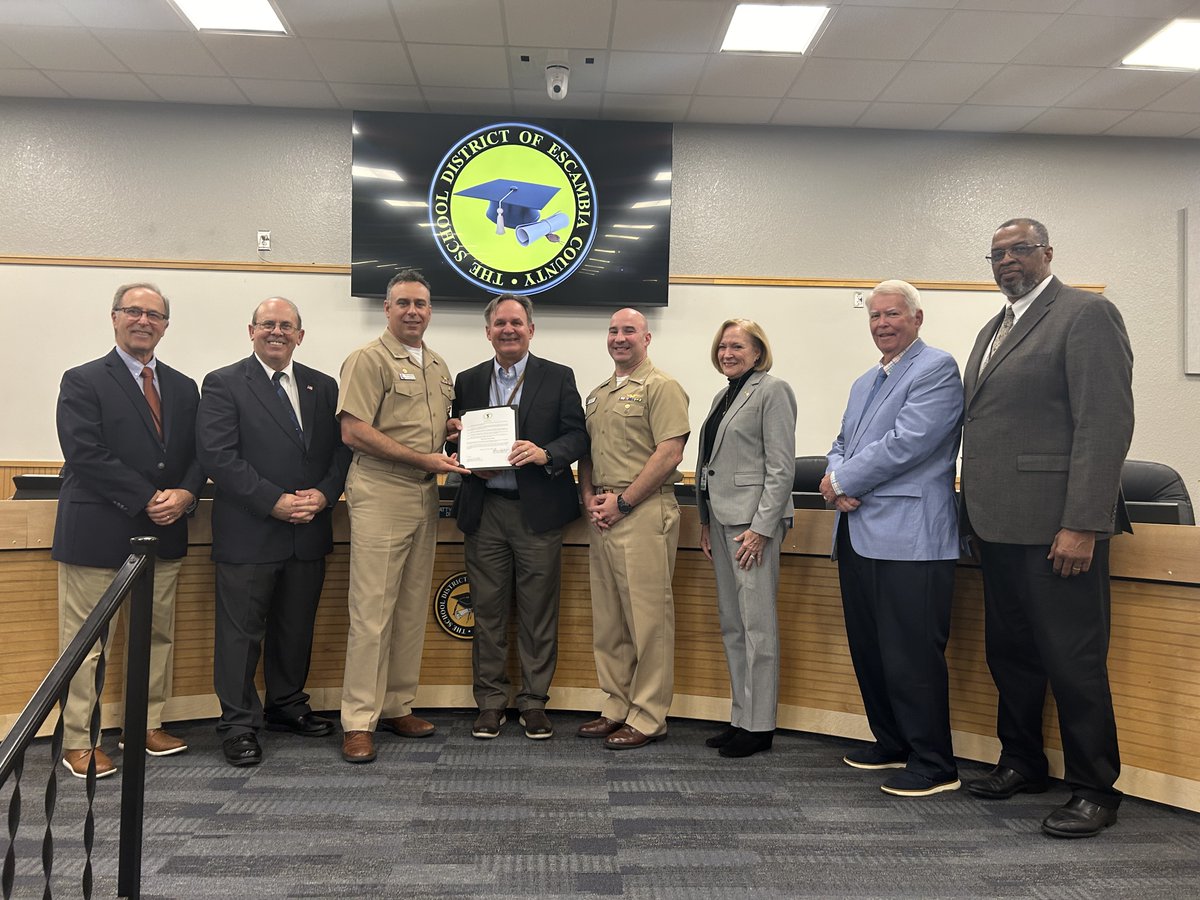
column 306, row 725
column 1078, row 818
column 1002, row 782
column 242, row 750
column 721, row 738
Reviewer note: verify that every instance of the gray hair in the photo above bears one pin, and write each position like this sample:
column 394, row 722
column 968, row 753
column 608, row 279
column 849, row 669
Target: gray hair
column 1039, row 229
column 407, row 275
column 295, row 309
column 912, row 298
column 526, row 304
column 124, row 289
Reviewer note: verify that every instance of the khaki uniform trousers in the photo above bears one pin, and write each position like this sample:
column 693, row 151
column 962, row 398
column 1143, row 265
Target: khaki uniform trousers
column 633, row 612
column 79, row 590
column 393, row 537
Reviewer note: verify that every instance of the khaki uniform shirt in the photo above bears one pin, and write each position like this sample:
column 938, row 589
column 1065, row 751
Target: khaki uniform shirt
column 627, row 422
column 384, row 386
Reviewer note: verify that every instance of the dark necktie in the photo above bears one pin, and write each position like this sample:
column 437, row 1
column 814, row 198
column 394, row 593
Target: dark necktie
column 277, row 379
column 880, row 378
column 1001, row 334
column 152, row 399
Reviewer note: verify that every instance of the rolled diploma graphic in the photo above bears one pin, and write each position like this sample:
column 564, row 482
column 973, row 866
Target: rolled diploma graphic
column 527, row 234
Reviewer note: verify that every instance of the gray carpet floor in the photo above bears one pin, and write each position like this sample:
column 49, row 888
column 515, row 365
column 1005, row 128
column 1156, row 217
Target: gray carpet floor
column 452, row 816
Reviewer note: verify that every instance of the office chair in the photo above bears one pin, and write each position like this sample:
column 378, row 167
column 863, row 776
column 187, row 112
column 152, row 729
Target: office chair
column 1152, row 482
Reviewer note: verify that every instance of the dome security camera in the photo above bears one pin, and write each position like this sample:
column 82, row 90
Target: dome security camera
column 557, row 75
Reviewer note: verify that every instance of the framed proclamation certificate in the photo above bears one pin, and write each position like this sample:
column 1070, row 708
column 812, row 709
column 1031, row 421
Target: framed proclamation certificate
column 487, row 437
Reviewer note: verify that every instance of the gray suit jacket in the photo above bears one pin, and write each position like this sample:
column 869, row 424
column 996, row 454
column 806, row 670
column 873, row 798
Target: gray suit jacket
column 753, row 462
column 1048, row 423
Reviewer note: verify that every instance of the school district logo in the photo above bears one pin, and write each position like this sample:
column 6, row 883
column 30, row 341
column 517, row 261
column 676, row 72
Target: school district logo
column 513, row 208
column 452, row 607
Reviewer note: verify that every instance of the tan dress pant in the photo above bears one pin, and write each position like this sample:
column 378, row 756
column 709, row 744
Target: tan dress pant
column 79, row 590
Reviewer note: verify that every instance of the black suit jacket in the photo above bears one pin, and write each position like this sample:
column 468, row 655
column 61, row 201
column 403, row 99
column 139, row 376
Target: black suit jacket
column 115, row 461
column 551, row 415
column 248, row 446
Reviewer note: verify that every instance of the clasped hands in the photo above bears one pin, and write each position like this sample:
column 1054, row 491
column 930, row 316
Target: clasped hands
column 299, row 508
column 167, row 506
column 841, row 502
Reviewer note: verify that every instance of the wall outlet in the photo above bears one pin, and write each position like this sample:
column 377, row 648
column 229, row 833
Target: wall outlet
column 264, row 241
column 859, row 297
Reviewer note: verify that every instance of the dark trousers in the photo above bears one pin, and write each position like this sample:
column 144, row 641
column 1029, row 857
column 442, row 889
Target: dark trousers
column 897, row 622
column 1041, row 629
column 272, row 606
column 503, row 555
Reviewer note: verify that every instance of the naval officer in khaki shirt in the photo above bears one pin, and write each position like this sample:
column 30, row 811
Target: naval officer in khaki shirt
column 638, row 425
column 395, row 400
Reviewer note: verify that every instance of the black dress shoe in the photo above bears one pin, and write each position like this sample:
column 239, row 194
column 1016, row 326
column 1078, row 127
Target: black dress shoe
column 719, row 740
column 1079, row 818
column 1002, row 782
column 306, row 725
column 242, row 750
column 747, row 743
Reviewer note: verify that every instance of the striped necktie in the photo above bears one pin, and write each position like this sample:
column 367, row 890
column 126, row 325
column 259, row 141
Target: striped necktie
column 277, row 379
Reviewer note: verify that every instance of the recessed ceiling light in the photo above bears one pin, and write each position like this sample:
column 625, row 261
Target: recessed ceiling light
column 1175, row 47
column 370, row 172
column 757, row 27
column 257, row 16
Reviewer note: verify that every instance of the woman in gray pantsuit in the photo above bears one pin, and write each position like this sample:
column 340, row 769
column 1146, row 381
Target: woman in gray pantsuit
column 744, row 495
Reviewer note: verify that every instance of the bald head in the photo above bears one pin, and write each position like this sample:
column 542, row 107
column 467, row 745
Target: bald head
column 628, row 340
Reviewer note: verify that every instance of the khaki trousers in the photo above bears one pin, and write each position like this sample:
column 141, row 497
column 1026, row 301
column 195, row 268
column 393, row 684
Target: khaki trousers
column 393, row 537
column 79, row 590
column 633, row 612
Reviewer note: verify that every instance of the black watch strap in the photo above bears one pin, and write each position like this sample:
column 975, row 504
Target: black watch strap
column 624, row 507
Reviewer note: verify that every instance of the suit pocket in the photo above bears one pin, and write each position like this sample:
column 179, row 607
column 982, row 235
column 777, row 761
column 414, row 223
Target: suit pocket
column 898, row 490
column 1043, row 462
column 747, row 479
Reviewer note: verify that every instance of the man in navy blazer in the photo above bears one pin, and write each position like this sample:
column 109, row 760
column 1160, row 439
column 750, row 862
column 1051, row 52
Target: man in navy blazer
column 267, row 437
column 513, row 519
column 891, row 478
column 126, row 425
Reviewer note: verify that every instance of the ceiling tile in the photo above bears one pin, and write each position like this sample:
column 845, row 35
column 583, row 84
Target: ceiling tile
column 1123, row 89
column 1046, row 6
column 823, row 113
column 985, row 37
column 195, row 89
column 276, row 92
column 261, row 56
column 27, row 83
column 379, row 96
column 1099, row 41
column 450, row 21
column 35, row 13
column 102, row 85
column 1185, row 98
column 844, row 79
column 10, row 60
column 352, row 20
column 161, row 53
column 995, row 119
column 654, row 73
column 748, row 75
column 484, row 101
column 531, row 76
column 1075, row 121
column 738, row 110
column 695, row 26
column 932, row 4
column 646, row 107
column 905, row 115
column 142, row 15
column 1156, row 124
column 858, row 32
column 1031, row 85
column 469, row 67
column 63, row 49
column 367, row 62
column 932, row 82
column 1165, row 9
column 565, row 23
column 577, row 104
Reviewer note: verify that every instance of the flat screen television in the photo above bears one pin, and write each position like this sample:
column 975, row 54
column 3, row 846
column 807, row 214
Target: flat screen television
column 576, row 212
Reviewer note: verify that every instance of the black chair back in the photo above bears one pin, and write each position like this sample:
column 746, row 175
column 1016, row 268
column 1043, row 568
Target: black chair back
column 1151, row 482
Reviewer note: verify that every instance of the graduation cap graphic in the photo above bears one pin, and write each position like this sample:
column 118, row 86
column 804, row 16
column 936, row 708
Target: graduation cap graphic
column 518, row 205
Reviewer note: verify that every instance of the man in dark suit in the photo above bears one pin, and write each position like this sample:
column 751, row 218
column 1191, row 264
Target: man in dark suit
column 513, row 519
column 267, row 437
column 1048, row 420
column 126, row 425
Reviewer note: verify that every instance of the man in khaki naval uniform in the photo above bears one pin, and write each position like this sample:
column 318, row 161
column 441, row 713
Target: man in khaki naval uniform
column 638, row 425
column 394, row 402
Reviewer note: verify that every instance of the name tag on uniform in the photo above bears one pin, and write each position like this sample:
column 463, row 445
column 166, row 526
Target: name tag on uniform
column 407, row 376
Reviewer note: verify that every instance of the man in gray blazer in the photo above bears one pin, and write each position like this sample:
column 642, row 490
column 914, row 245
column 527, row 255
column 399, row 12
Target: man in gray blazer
column 1048, row 420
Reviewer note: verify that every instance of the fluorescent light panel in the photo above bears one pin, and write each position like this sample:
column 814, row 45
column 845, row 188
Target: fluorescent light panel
column 663, row 176
column 638, row 227
column 624, row 237
column 1175, row 47
column 371, row 172
column 256, row 16
column 416, row 203
column 759, row 28
column 648, row 204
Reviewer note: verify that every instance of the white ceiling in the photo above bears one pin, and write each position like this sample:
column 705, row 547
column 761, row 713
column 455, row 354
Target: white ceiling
column 1042, row 66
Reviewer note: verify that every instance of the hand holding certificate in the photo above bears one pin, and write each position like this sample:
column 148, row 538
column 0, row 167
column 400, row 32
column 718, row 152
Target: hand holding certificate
column 487, row 437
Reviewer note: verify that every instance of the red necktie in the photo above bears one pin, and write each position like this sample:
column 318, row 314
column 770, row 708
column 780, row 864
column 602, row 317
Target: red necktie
column 152, row 398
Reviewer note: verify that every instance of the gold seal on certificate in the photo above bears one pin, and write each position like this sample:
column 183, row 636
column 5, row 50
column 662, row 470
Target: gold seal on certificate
column 487, row 437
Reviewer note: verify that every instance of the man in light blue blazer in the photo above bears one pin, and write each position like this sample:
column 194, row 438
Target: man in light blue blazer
column 891, row 478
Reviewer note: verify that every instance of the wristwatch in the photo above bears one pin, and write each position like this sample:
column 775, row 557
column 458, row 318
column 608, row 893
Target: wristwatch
column 624, row 507
column 549, row 459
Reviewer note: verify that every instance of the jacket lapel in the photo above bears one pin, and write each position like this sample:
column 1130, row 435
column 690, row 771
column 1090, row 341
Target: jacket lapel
column 529, row 389
column 889, row 384
column 739, row 401
column 120, row 373
column 262, row 388
column 1021, row 328
column 308, row 402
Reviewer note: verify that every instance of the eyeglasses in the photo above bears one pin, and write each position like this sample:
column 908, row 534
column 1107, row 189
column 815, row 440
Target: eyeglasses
column 136, row 312
column 284, row 327
column 1017, row 251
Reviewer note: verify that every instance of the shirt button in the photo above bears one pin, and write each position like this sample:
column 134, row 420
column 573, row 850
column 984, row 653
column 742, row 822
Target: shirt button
column 162, row 465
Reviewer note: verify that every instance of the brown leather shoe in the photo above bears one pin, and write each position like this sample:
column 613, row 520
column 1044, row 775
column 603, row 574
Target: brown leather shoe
column 598, row 728
column 358, row 747
column 159, row 743
column 76, row 762
column 408, row 726
column 629, row 738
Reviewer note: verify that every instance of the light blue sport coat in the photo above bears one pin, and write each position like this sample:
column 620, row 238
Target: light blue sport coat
column 897, row 456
